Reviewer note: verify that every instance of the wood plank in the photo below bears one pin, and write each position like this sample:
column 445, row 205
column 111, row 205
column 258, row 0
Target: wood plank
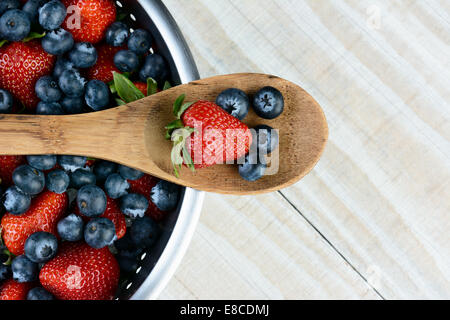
column 260, row 248
column 380, row 195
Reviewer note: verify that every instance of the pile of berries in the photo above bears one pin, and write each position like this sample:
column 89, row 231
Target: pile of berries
column 203, row 121
column 63, row 217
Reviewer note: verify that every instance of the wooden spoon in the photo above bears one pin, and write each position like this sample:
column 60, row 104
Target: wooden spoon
column 133, row 135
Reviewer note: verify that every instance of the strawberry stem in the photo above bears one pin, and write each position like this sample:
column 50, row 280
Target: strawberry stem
column 178, row 134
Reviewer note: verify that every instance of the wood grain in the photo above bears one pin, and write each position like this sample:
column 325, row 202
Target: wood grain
column 133, row 135
column 378, row 201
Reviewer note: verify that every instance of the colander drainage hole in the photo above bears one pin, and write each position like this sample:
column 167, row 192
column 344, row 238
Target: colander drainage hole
column 129, row 285
column 143, row 256
column 138, row 270
column 119, row 4
column 132, row 17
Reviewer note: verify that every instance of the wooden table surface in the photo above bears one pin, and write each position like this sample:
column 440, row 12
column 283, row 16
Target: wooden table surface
column 372, row 221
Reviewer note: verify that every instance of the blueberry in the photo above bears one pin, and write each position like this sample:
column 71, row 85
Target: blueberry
column 72, row 105
column 91, row 201
column 81, row 178
column 47, row 89
column 6, row 101
column 71, row 228
column 57, row 42
column 103, row 169
column 252, row 170
column 52, row 15
column 28, row 179
column 268, row 103
column 15, row 201
column 165, row 195
column 31, row 8
column 154, row 67
column 127, row 264
column 126, row 61
column 49, row 108
column 117, row 34
column 14, row 25
column 72, row 163
column 5, row 272
column 144, row 232
column 24, row 270
column 99, row 233
column 130, row 173
column 266, row 139
column 57, row 181
column 62, row 65
column 125, row 244
column 39, row 293
column 116, row 186
column 134, row 205
column 45, row 162
column 6, row 5
column 97, row 95
column 72, row 83
column 140, row 42
column 41, row 247
column 235, row 102
column 83, row 55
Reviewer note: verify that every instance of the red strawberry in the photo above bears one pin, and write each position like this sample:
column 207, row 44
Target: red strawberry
column 7, row 166
column 104, row 68
column 142, row 87
column 21, row 65
column 45, row 212
column 112, row 213
column 144, row 186
column 95, row 16
column 90, row 162
column 220, row 137
column 11, row 290
column 79, row 272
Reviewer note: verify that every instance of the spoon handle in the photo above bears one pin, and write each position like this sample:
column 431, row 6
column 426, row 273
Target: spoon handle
column 83, row 134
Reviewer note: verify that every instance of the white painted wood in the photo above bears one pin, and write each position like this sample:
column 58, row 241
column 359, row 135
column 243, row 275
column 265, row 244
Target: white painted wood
column 380, row 196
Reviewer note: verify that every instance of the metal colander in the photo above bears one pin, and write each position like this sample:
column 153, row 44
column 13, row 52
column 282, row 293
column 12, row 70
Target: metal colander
column 158, row 263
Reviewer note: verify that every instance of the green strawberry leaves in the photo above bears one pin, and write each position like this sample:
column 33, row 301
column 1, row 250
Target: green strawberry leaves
column 126, row 90
column 167, row 86
column 178, row 134
column 152, row 86
column 34, row 35
column 179, row 107
column 180, row 154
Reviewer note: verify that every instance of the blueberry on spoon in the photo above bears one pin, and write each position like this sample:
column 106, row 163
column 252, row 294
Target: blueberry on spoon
column 268, row 103
column 235, row 102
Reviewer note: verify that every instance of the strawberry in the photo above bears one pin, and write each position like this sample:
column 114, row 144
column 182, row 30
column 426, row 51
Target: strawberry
column 104, row 68
column 79, row 272
column 112, row 213
column 95, row 17
column 144, row 187
column 7, row 166
column 142, row 87
column 11, row 290
column 90, row 163
column 45, row 212
column 220, row 137
column 21, row 65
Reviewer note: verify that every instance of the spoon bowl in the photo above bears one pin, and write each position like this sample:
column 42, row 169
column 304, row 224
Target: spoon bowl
column 133, row 135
